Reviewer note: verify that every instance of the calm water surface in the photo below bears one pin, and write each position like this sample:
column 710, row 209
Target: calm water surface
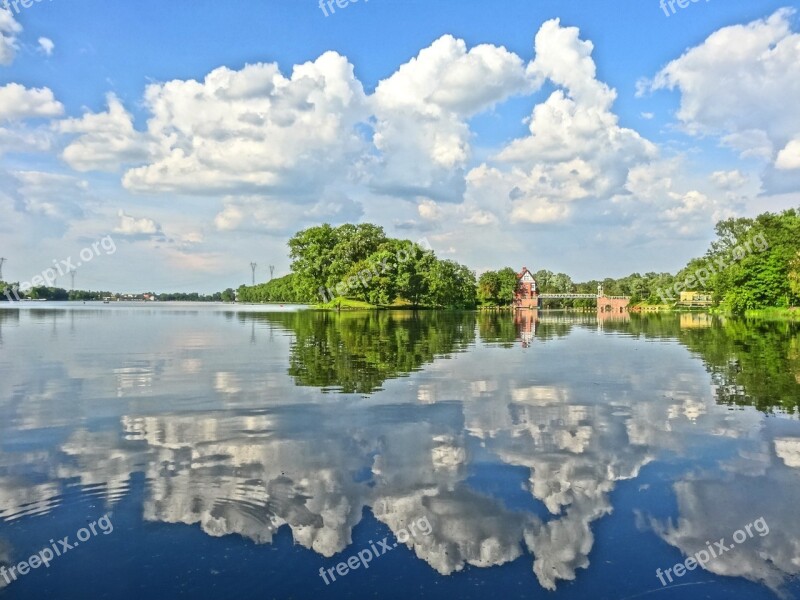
column 240, row 452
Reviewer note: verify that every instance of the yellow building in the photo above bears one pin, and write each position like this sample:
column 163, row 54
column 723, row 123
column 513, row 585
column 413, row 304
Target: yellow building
column 695, row 299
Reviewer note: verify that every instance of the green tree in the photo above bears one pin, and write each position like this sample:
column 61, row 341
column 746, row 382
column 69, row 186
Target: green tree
column 561, row 283
column 413, row 262
column 489, row 288
column 281, row 289
column 47, row 293
column 312, row 252
column 323, row 256
column 508, row 286
column 755, row 261
column 544, row 279
column 451, row 285
column 794, row 275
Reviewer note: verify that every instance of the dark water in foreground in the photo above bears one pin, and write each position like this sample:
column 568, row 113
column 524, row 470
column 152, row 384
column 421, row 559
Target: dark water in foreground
column 241, row 454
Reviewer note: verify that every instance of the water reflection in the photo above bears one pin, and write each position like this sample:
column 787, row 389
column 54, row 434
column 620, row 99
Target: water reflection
column 225, row 419
column 357, row 352
column 753, row 487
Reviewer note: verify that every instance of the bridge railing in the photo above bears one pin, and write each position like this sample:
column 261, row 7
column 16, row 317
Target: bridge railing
column 580, row 296
column 567, row 296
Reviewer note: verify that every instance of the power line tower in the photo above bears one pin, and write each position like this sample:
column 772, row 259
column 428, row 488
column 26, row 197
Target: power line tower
column 271, row 271
column 253, row 267
column 2, row 260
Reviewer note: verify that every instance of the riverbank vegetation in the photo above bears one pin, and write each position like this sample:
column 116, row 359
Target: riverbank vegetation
column 774, row 314
column 359, row 265
column 752, row 265
column 10, row 292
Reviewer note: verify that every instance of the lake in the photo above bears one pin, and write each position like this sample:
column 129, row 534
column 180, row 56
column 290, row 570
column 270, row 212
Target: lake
column 221, row 451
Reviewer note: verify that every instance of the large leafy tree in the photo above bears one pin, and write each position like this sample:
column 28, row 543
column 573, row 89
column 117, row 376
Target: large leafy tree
column 561, row 283
column 311, row 251
column 756, row 261
column 323, row 256
column 545, row 279
column 496, row 288
column 489, row 288
column 360, row 262
column 508, row 285
column 451, row 285
column 354, row 243
column 412, row 265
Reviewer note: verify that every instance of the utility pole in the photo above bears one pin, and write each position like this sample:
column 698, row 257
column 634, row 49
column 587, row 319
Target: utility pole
column 271, row 271
column 2, row 260
column 253, row 267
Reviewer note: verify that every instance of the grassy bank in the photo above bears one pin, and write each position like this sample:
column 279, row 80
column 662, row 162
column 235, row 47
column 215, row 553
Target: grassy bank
column 350, row 304
column 346, row 304
column 774, row 314
column 770, row 314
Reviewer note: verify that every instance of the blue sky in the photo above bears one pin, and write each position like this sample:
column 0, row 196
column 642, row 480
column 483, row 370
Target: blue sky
column 434, row 119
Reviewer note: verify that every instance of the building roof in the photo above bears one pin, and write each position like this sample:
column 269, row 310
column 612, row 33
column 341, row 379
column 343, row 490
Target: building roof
column 521, row 274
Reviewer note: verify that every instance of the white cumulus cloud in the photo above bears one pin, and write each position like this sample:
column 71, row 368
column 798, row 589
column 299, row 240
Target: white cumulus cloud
column 421, row 113
column 253, row 129
column 576, row 149
column 740, row 84
column 18, row 102
column 9, row 29
column 789, row 157
column 105, row 140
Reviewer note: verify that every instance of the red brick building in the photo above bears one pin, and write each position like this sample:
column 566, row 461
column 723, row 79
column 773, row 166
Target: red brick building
column 527, row 292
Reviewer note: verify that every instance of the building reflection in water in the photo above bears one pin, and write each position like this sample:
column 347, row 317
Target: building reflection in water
column 693, row 320
column 526, row 322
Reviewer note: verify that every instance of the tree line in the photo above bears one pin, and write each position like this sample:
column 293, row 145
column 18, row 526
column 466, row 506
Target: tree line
column 9, row 292
column 334, row 265
column 753, row 263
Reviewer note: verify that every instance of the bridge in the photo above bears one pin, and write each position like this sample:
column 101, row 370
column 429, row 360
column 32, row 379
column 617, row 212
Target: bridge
column 608, row 304
column 527, row 295
column 567, row 296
